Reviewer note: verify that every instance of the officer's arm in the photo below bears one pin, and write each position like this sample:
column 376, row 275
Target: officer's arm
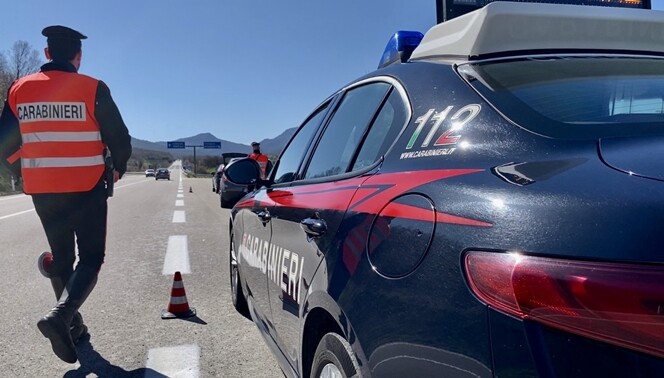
column 10, row 140
column 114, row 132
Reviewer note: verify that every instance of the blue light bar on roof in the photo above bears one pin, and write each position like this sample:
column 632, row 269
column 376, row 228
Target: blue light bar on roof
column 399, row 47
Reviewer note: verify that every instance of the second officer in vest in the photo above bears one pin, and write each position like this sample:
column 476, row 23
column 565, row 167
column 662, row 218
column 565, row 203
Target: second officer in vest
column 59, row 126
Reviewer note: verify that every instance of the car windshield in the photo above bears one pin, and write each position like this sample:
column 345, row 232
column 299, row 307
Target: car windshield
column 575, row 96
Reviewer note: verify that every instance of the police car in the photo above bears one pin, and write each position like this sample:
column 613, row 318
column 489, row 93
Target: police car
column 489, row 202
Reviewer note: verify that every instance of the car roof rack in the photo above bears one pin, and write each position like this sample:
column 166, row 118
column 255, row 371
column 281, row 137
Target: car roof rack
column 449, row 9
column 508, row 27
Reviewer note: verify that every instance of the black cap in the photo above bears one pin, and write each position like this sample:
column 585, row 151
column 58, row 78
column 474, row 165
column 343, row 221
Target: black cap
column 255, row 144
column 59, row 31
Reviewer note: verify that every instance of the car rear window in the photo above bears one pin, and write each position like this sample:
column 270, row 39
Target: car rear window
column 575, row 96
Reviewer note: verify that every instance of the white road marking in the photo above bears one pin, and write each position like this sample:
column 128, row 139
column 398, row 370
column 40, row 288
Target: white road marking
column 174, row 362
column 12, row 196
column 177, row 256
column 180, row 195
column 178, row 216
column 116, row 186
column 179, row 202
column 19, row 213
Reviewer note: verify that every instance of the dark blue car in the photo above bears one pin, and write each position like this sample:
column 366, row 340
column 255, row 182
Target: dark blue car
column 162, row 173
column 490, row 204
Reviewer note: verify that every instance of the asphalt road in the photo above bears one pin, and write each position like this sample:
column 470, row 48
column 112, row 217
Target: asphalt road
column 154, row 229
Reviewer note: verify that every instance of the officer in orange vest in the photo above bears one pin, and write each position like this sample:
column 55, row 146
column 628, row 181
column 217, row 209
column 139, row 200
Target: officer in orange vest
column 262, row 159
column 56, row 129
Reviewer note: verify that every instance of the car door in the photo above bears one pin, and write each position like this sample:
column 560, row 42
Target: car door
column 262, row 254
column 307, row 214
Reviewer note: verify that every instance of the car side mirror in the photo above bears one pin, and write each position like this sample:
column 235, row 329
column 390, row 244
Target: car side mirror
column 244, row 172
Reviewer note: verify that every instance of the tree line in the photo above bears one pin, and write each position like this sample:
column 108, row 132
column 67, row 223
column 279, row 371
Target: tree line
column 19, row 60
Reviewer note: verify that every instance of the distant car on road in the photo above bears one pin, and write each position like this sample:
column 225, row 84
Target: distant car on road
column 226, row 158
column 230, row 193
column 149, row 173
column 162, row 173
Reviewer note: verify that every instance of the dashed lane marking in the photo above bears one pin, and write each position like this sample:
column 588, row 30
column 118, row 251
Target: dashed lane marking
column 178, row 361
column 177, row 256
column 179, row 202
column 178, row 216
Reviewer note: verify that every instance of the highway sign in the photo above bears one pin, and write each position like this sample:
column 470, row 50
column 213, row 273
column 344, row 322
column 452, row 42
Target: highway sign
column 175, row 144
column 216, row 145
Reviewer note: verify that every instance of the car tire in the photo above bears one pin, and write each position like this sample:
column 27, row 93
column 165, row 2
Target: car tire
column 333, row 358
column 237, row 295
column 224, row 204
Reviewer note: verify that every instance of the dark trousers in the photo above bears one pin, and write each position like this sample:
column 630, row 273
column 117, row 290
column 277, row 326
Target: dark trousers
column 70, row 218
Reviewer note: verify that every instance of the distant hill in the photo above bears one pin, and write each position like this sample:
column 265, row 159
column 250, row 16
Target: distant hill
column 275, row 145
column 271, row 146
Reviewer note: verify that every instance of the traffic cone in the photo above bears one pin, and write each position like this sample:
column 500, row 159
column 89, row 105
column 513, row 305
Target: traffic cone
column 190, row 191
column 178, row 306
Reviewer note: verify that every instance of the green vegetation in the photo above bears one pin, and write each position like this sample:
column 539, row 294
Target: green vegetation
column 6, row 183
column 141, row 160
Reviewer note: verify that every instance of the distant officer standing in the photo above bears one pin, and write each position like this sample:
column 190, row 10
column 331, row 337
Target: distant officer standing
column 262, row 159
column 56, row 129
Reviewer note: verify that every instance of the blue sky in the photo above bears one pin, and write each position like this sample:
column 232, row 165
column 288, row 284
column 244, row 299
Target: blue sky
column 241, row 69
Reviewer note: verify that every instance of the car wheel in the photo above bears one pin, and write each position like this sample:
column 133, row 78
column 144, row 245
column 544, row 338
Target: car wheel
column 334, row 358
column 225, row 204
column 237, row 295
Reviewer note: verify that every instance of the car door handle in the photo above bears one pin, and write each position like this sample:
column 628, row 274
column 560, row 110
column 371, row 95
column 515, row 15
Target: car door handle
column 264, row 216
column 314, row 227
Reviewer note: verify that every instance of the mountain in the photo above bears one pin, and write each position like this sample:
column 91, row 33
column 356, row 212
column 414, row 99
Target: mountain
column 272, row 146
column 275, row 145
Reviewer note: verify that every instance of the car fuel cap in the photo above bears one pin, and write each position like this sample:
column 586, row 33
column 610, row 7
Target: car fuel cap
column 397, row 243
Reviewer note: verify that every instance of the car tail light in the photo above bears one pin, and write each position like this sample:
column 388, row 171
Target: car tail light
column 621, row 304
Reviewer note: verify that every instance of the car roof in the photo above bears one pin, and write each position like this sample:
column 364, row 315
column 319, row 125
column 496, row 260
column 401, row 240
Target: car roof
column 502, row 27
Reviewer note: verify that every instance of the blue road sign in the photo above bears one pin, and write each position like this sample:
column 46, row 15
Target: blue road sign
column 216, row 145
column 175, row 144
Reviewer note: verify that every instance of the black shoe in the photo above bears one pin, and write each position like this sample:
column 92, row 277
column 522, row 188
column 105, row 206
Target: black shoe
column 77, row 328
column 78, row 332
column 53, row 327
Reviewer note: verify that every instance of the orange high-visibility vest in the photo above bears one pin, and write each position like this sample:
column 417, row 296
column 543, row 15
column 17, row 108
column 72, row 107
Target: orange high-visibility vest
column 62, row 150
column 262, row 162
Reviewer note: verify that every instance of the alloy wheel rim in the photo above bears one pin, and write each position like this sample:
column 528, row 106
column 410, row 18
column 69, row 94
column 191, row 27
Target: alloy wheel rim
column 330, row 371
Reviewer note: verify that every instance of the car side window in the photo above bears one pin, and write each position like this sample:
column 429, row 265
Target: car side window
column 345, row 130
column 290, row 160
column 384, row 130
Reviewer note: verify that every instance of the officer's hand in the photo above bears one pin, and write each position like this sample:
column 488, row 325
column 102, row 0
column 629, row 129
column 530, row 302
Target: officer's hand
column 116, row 176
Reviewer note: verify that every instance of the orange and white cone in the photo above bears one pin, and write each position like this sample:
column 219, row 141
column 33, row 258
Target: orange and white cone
column 178, row 306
